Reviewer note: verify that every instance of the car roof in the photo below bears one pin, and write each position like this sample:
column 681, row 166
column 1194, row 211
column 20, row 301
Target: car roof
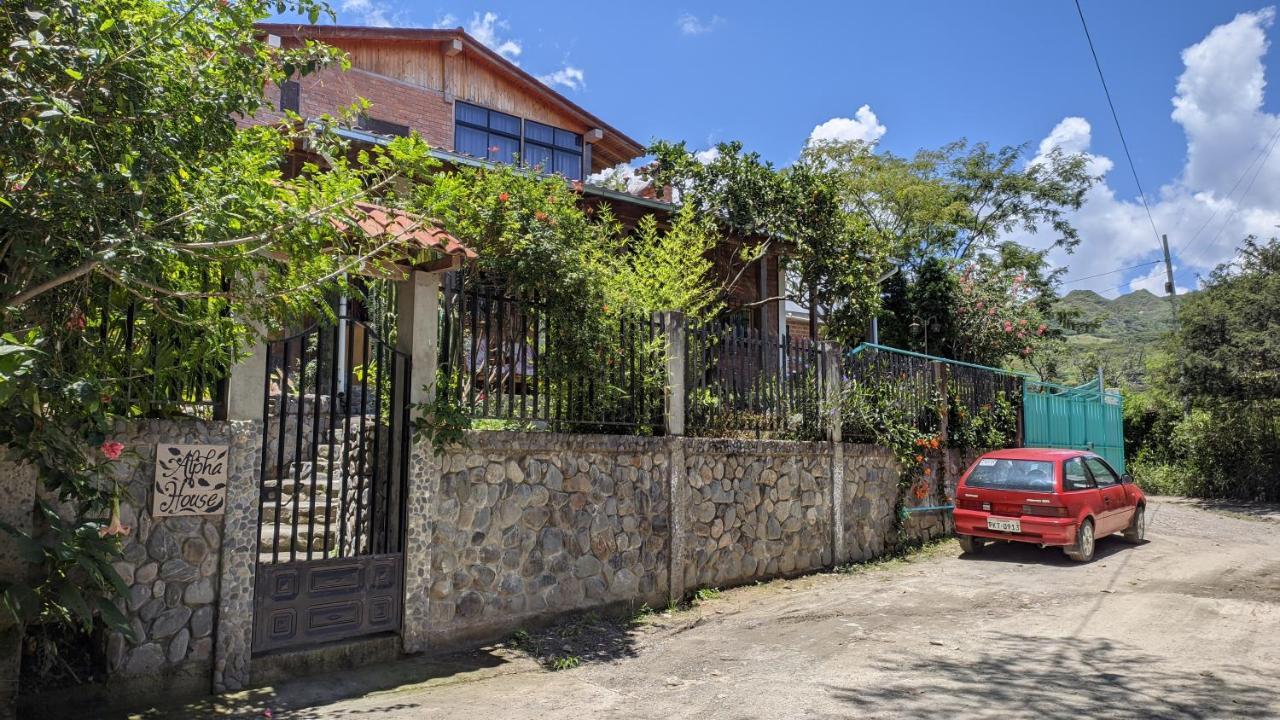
column 1043, row 454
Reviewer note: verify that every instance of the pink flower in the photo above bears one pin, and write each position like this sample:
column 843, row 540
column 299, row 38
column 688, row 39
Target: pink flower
column 1020, row 278
column 112, row 449
column 1026, row 350
column 1021, row 334
column 1008, row 326
column 1022, row 322
column 981, row 305
column 992, row 311
column 1040, row 330
column 577, row 186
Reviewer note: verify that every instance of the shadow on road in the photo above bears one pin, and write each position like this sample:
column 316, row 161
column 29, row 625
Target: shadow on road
column 1067, row 678
column 1026, row 553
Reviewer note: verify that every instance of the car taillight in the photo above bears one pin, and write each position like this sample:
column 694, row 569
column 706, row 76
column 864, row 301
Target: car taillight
column 1044, row 510
column 969, row 504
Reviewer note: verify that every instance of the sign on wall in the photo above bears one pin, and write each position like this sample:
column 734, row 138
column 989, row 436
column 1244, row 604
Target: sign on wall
column 190, row 480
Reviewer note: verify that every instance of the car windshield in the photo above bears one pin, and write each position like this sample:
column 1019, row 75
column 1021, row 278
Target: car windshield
column 1001, row 474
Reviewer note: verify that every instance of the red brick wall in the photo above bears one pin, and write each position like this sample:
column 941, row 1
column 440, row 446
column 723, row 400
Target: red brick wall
column 330, row 91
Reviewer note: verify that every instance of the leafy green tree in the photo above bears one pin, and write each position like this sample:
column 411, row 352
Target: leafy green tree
column 127, row 180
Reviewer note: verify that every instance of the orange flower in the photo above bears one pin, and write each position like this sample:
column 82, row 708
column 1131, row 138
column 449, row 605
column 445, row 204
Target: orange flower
column 934, row 443
column 919, row 458
column 541, row 216
column 577, row 186
column 928, row 471
column 503, row 197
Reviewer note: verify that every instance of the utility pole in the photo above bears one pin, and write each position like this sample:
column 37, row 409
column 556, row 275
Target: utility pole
column 1173, row 303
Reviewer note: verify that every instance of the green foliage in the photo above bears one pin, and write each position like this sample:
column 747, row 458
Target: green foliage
column 127, row 181
column 706, row 594
column 1160, row 478
column 1121, row 336
column 1223, row 362
column 660, row 270
column 566, row 662
column 993, row 425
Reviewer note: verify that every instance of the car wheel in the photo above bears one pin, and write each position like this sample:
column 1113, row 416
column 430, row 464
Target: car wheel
column 1137, row 530
column 970, row 545
column 1082, row 551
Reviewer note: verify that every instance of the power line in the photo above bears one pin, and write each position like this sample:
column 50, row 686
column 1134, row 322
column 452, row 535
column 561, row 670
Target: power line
column 1111, row 272
column 1116, row 117
column 1240, row 200
column 1269, row 143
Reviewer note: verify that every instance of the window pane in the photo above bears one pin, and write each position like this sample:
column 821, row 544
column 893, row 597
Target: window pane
column 504, row 123
column 538, row 132
column 566, row 139
column 471, row 114
column 1022, row 475
column 569, row 165
column 538, row 157
column 468, row 141
column 1101, row 472
column 1076, row 479
column 503, row 149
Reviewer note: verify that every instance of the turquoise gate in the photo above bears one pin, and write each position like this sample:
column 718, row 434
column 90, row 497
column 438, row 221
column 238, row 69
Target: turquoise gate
column 1085, row 417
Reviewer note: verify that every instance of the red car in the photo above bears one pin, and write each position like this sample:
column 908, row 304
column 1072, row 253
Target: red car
column 1064, row 498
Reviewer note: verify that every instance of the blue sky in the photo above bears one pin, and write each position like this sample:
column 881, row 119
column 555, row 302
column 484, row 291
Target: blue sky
column 928, row 73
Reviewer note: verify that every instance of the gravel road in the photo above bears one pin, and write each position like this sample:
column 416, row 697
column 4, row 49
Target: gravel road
column 1186, row 625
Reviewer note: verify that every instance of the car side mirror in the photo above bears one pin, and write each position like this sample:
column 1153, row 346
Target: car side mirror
column 1126, row 478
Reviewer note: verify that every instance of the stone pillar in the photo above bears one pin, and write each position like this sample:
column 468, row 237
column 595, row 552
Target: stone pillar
column 418, row 324
column 678, row 488
column 17, row 497
column 246, row 398
column 832, row 388
column 672, row 324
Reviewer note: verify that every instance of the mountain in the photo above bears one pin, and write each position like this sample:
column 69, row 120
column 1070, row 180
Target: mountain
column 1117, row 335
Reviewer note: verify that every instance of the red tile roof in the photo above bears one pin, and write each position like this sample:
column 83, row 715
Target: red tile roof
column 377, row 221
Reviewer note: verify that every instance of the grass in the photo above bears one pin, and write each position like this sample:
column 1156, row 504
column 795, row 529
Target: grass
column 565, row 662
column 903, row 555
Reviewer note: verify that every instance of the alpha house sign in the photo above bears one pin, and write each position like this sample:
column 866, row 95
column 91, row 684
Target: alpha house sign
column 190, row 480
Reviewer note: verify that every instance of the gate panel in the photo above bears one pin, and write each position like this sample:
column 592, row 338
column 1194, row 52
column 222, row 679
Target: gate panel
column 1079, row 418
column 334, row 469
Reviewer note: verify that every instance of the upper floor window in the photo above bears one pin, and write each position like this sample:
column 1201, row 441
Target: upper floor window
column 486, row 133
column 497, row 136
column 553, row 150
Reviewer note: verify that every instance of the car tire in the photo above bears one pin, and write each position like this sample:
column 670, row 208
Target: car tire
column 1137, row 530
column 1082, row 550
column 970, row 545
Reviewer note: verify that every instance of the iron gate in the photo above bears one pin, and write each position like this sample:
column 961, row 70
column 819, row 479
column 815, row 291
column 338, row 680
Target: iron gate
column 333, row 477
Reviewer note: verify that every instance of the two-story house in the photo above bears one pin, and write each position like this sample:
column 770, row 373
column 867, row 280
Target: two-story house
column 473, row 106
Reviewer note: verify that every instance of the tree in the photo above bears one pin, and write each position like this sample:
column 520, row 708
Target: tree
column 128, row 182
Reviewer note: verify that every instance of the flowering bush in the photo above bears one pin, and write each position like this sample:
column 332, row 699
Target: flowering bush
column 998, row 314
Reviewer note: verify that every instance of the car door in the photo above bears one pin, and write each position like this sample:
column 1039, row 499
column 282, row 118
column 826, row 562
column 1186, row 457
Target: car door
column 1080, row 492
column 1115, row 502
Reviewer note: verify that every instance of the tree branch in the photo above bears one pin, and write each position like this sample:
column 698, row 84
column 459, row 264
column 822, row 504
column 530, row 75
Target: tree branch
column 44, row 287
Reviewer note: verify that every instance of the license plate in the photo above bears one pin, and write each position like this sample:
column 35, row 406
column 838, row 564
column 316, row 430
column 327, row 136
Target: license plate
column 1004, row 525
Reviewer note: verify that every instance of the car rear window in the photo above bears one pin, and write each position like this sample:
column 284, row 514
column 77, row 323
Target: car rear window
column 1001, row 474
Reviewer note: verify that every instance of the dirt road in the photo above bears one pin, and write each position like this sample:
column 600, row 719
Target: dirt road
column 1184, row 626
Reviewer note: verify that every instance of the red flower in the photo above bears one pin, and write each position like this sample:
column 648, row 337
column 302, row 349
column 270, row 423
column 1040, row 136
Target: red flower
column 104, row 398
column 494, row 148
column 76, row 321
column 112, row 449
column 503, row 197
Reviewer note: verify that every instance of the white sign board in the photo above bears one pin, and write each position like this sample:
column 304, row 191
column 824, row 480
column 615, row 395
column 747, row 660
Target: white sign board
column 190, row 480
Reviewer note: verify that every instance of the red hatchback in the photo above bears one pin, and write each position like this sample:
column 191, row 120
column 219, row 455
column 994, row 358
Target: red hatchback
column 1066, row 498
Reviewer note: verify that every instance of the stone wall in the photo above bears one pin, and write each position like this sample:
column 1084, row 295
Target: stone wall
column 755, row 510
column 531, row 524
column 171, row 565
column 17, row 489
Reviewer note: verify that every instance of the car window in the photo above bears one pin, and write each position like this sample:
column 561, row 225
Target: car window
column 1075, row 477
column 1005, row 474
column 1101, row 472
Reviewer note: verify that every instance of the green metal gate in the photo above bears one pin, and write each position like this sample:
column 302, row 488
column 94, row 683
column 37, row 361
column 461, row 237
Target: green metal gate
column 1085, row 417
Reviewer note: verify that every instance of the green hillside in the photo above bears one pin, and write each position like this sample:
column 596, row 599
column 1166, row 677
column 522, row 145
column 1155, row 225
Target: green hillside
column 1117, row 334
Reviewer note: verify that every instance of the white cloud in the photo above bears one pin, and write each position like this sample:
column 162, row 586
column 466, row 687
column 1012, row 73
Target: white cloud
column 367, row 12
column 568, row 76
column 485, row 28
column 1222, row 188
column 691, row 24
column 707, row 156
column 863, row 126
column 623, row 177
column 445, row 22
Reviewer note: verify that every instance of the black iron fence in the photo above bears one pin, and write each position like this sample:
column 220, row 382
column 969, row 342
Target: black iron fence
column 154, row 367
column 509, row 361
column 738, row 381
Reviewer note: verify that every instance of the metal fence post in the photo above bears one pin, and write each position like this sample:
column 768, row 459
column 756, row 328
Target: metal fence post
column 418, row 322
column 833, row 387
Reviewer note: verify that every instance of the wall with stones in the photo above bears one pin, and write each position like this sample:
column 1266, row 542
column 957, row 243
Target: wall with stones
column 533, row 524
column 755, row 510
column 17, row 492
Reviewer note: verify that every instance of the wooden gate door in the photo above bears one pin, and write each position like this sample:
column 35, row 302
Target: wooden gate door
column 334, row 473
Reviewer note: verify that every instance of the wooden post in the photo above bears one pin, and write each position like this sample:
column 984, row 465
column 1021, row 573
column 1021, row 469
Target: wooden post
column 832, row 388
